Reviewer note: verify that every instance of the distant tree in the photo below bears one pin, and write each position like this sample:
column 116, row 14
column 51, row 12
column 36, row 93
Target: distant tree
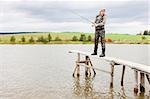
column 57, row 38
column 74, row 38
column 82, row 37
column 145, row 32
column 49, row 37
column 23, row 39
column 31, row 40
column 12, row 39
column 89, row 38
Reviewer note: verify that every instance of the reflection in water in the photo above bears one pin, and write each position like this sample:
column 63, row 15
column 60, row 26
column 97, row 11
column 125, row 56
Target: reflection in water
column 86, row 90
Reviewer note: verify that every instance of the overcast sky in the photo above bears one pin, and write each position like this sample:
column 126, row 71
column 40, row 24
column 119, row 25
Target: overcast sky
column 124, row 16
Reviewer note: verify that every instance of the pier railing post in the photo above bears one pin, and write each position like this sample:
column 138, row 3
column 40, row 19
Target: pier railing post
column 122, row 77
column 112, row 74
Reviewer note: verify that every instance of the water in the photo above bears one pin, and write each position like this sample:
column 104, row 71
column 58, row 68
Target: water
column 45, row 72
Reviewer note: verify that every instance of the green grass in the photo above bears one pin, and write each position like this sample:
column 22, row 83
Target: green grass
column 66, row 38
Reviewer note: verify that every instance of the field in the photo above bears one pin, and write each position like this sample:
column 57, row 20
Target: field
column 66, row 38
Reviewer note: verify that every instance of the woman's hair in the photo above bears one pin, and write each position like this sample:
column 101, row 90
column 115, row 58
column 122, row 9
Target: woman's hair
column 103, row 10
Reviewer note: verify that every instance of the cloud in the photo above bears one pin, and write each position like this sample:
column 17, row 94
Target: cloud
column 28, row 15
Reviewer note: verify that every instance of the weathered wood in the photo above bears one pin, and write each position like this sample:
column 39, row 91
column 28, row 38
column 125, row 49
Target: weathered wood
column 78, row 66
column 142, row 82
column 136, row 82
column 122, row 77
column 74, row 71
column 86, row 68
column 143, row 69
column 92, row 66
column 95, row 68
column 112, row 75
column 133, row 65
column 148, row 78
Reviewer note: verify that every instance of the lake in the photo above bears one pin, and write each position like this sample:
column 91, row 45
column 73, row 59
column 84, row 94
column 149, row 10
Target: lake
column 45, row 72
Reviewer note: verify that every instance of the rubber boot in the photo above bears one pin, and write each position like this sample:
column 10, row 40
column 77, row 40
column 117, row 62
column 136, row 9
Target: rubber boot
column 95, row 53
column 103, row 52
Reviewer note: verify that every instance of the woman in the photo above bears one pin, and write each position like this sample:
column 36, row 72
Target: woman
column 99, row 25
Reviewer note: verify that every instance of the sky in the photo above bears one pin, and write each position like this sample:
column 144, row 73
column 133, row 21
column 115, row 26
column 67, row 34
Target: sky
column 123, row 16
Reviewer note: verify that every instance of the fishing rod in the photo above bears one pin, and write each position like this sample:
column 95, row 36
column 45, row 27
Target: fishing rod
column 82, row 17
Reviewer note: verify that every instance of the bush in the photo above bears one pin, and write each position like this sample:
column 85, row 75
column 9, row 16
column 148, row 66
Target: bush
column 109, row 40
column 74, row 38
column 23, row 39
column 57, row 39
column 89, row 38
column 31, row 40
column 12, row 39
column 82, row 37
column 49, row 37
column 146, row 32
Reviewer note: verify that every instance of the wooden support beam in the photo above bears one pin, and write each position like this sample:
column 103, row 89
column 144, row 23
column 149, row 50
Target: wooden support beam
column 112, row 75
column 95, row 68
column 148, row 78
column 86, row 68
column 74, row 71
column 122, row 77
column 136, row 82
column 78, row 66
column 142, row 82
column 92, row 66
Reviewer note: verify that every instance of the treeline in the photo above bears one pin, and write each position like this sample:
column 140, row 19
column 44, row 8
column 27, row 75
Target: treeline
column 32, row 39
column 146, row 32
column 89, row 38
column 82, row 37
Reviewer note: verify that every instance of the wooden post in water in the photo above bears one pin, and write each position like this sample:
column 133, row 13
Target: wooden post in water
column 89, row 69
column 136, row 82
column 122, row 77
column 78, row 66
column 142, row 82
column 112, row 75
column 87, row 63
column 148, row 78
column 92, row 68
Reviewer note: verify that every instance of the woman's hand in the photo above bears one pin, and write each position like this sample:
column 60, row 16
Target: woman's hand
column 94, row 24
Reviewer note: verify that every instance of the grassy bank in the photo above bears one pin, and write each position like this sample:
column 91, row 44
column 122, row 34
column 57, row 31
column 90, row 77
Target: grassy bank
column 67, row 38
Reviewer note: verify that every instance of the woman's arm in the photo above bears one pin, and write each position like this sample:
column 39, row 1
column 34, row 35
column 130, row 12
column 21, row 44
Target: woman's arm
column 103, row 22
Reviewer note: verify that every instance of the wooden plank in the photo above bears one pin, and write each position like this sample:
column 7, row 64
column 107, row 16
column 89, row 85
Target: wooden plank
column 94, row 68
column 133, row 65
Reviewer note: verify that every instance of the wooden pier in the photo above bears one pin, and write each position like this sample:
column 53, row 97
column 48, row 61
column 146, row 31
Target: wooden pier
column 140, row 70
